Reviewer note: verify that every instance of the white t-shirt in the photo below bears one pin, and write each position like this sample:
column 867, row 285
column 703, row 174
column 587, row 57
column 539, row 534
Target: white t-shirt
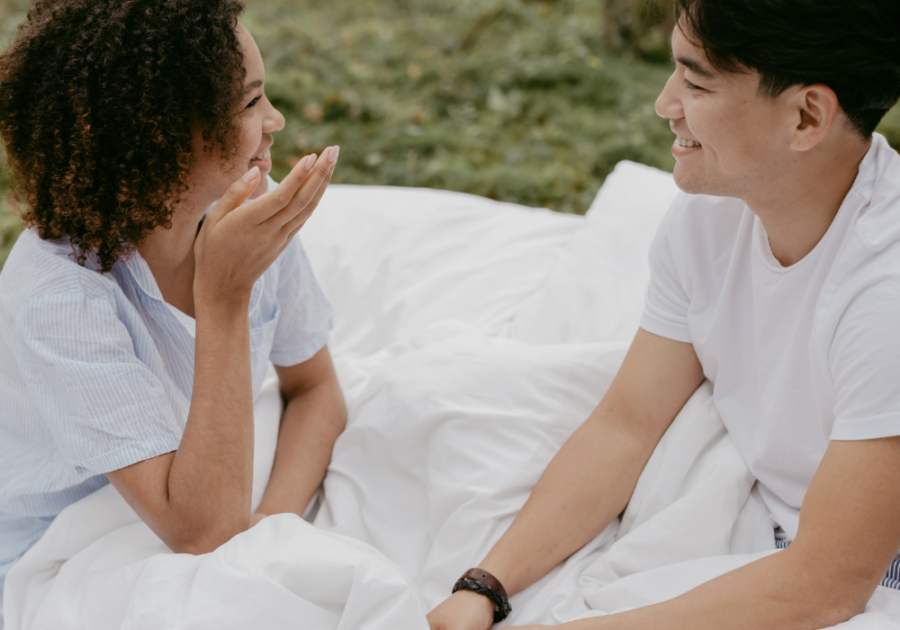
column 797, row 355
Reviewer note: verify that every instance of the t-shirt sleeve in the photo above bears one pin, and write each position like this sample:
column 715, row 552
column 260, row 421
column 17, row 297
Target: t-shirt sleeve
column 103, row 406
column 666, row 304
column 305, row 315
column 865, row 363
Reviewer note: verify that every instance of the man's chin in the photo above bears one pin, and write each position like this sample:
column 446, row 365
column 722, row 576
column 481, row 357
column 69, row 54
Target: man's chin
column 688, row 182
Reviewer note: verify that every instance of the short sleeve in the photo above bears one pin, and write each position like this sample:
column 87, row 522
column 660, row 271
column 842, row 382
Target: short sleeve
column 666, row 304
column 865, row 363
column 305, row 315
column 103, row 406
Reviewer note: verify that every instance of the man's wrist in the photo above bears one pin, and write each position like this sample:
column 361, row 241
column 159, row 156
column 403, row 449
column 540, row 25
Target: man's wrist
column 485, row 584
column 505, row 577
column 482, row 604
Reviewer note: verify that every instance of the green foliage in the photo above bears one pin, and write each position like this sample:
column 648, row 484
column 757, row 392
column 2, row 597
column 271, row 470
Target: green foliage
column 11, row 14
column 10, row 226
column 640, row 28
column 512, row 100
column 531, row 101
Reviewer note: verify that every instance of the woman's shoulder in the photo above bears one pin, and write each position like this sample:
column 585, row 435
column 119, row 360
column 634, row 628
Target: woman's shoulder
column 39, row 270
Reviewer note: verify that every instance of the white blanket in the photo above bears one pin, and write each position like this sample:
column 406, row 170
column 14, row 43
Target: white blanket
column 455, row 345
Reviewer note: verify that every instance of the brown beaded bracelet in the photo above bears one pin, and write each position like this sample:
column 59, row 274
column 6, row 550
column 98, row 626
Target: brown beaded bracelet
column 483, row 583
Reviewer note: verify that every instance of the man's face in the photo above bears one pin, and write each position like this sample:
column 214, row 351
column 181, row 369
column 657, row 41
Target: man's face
column 730, row 139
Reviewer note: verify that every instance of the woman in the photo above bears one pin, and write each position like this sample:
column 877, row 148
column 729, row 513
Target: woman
column 135, row 332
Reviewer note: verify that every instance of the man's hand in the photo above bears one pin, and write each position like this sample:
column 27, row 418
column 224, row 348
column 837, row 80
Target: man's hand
column 464, row 610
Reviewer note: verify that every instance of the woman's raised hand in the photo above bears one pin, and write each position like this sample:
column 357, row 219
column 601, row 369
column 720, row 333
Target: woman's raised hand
column 237, row 243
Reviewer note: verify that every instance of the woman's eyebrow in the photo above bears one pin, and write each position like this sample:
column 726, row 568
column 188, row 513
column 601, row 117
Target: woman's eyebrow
column 252, row 85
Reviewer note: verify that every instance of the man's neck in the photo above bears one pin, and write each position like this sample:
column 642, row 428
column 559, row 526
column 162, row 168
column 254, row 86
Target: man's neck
column 797, row 209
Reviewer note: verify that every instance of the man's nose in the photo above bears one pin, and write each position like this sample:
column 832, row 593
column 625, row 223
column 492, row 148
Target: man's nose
column 668, row 105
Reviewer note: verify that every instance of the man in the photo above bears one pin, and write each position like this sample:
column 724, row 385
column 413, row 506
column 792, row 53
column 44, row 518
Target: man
column 776, row 277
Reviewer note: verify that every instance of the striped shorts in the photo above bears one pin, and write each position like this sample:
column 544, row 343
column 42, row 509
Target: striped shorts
column 891, row 578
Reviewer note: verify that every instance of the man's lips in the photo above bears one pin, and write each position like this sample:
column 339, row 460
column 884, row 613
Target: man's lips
column 686, row 143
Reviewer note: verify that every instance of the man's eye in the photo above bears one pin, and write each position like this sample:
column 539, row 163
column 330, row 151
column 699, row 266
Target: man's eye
column 253, row 102
column 691, row 86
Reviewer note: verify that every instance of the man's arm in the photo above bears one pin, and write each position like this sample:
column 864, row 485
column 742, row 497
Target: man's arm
column 590, row 481
column 314, row 417
column 849, row 534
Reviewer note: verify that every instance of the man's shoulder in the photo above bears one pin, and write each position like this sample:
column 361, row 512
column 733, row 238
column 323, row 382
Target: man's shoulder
column 878, row 225
column 864, row 278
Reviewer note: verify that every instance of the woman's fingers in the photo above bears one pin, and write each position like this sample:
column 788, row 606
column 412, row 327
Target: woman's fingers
column 236, row 194
column 294, row 224
column 261, row 210
column 306, row 199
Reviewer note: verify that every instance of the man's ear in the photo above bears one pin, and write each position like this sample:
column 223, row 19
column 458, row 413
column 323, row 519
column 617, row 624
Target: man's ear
column 817, row 109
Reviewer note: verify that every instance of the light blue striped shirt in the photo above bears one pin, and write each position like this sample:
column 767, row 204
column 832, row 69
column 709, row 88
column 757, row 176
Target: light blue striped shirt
column 96, row 372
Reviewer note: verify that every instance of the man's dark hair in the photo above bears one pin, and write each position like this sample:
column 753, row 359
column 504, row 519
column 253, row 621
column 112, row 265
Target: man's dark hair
column 852, row 46
column 99, row 103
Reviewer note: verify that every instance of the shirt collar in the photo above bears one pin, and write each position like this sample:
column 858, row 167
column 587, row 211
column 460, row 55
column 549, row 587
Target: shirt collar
column 146, row 283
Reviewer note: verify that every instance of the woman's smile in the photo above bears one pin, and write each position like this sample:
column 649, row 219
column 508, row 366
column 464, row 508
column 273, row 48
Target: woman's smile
column 263, row 160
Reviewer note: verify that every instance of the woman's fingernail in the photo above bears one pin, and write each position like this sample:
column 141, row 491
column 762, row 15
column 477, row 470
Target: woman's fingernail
column 334, row 153
column 310, row 161
column 252, row 174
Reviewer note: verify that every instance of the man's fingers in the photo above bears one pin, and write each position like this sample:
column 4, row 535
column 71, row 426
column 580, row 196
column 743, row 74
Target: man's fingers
column 306, row 199
column 236, row 194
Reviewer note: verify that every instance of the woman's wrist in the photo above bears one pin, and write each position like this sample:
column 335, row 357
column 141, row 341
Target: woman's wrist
column 219, row 303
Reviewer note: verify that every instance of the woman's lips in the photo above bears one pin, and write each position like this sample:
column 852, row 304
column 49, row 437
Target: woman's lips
column 263, row 160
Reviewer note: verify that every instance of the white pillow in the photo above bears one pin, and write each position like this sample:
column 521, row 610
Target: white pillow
column 394, row 261
column 595, row 291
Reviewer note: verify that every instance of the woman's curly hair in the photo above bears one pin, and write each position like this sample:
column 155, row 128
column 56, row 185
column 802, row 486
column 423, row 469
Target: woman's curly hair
column 99, row 104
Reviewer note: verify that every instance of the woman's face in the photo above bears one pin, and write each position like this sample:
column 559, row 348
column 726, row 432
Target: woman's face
column 256, row 121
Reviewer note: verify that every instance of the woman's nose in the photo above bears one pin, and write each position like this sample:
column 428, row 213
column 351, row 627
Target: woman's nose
column 274, row 121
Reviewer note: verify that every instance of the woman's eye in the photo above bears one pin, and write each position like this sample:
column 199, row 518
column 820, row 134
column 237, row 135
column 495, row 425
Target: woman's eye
column 691, row 86
column 253, row 102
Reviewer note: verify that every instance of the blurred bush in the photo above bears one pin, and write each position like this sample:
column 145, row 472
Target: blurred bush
column 640, row 28
column 510, row 99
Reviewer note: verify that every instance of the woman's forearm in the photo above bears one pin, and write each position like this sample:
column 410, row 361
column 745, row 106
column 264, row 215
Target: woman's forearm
column 211, row 475
column 312, row 421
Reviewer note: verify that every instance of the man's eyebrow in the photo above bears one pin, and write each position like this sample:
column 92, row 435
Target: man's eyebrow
column 696, row 67
column 252, row 85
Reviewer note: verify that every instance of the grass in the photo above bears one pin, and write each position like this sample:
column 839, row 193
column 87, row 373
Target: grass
column 516, row 100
